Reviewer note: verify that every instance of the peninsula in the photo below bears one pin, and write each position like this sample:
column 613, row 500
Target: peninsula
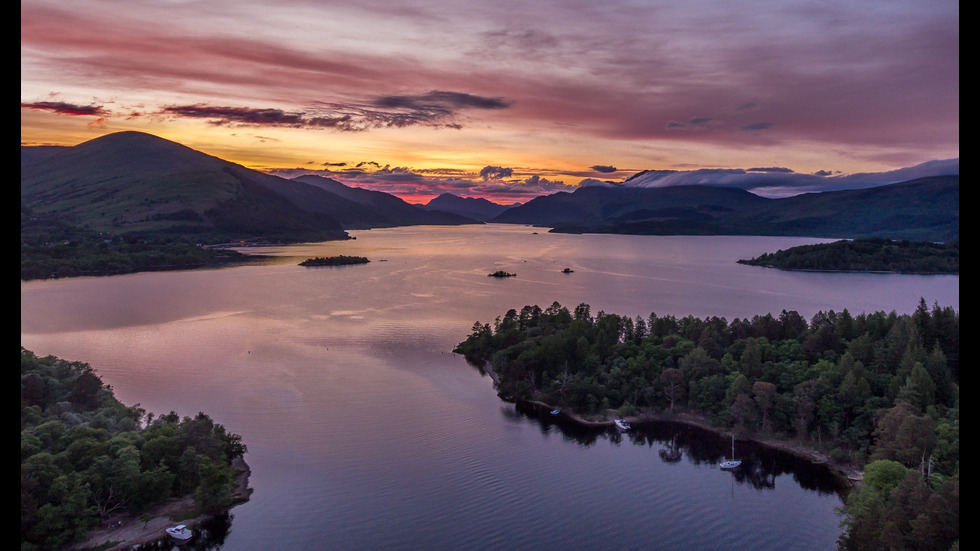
column 97, row 473
column 873, row 396
column 866, row 255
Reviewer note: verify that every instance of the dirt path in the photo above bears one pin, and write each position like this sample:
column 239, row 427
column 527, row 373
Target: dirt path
column 126, row 530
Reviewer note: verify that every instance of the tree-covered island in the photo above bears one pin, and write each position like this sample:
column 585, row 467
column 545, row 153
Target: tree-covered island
column 340, row 260
column 88, row 461
column 502, row 273
column 877, row 391
column 866, row 255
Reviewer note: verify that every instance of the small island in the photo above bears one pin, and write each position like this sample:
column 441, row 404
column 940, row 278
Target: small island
column 340, row 260
column 866, row 255
column 567, row 271
column 501, row 273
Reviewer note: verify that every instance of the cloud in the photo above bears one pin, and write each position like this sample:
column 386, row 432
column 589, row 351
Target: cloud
column 495, row 172
column 757, row 126
column 236, row 115
column 498, row 184
column 440, row 101
column 693, row 123
column 438, row 108
column 603, row 168
column 770, row 169
column 63, row 108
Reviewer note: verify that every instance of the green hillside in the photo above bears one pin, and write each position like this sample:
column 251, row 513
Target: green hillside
column 135, row 182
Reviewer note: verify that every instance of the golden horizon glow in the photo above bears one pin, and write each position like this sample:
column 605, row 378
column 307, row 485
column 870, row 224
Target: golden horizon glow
column 703, row 85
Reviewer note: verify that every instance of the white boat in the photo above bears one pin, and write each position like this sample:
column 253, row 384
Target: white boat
column 180, row 532
column 734, row 463
column 622, row 424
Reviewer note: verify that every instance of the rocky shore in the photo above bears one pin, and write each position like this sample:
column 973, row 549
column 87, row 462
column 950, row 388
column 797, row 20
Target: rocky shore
column 123, row 531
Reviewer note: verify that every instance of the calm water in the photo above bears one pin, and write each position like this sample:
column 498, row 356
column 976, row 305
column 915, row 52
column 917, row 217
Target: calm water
column 365, row 432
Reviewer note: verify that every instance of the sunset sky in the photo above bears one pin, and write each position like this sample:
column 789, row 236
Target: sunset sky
column 502, row 99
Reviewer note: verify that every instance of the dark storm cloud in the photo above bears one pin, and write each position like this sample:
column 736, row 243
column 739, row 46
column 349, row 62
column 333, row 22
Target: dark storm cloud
column 770, row 169
column 603, row 168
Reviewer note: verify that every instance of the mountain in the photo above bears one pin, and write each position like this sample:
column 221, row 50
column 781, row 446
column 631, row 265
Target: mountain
column 138, row 182
column 776, row 182
column 595, row 205
column 476, row 208
column 924, row 209
column 364, row 208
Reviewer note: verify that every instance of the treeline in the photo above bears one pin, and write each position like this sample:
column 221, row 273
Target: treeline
column 876, row 386
column 52, row 248
column 867, row 255
column 86, row 456
column 339, row 260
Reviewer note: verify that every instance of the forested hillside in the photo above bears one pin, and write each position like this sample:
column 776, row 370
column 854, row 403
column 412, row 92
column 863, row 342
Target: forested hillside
column 867, row 255
column 867, row 388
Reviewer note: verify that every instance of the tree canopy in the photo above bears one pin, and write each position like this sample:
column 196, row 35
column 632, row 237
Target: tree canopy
column 870, row 387
column 85, row 455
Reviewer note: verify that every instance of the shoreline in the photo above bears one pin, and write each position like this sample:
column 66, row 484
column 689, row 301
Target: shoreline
column 851, row 475
column 134, row 531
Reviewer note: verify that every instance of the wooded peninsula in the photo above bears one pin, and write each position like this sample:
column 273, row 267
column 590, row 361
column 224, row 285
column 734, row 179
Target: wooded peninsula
column 87, row 459
column 877, row 391
column 867, row 255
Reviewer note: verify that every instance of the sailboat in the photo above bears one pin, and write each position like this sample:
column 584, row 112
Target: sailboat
column 734, row 463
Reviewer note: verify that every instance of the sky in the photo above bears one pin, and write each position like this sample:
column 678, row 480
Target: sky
column 506, row 99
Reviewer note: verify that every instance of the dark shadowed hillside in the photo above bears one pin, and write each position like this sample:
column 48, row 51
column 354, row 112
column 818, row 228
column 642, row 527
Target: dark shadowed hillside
column 472, row 207
column 137, row 182
column 372, row 209
column 922, row 209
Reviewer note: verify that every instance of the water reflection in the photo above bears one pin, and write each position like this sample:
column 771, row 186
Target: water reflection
column 209, row 535
column 760, row 467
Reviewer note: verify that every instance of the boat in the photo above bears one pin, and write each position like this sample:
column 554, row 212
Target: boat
column 555, row 411
column 180, row 532
column 622, row 424
column 733, row 463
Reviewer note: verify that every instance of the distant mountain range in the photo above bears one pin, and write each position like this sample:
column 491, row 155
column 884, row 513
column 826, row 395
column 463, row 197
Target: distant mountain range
column 925, row 209
column 137, row 182
column 778, row 182
column 470, row 207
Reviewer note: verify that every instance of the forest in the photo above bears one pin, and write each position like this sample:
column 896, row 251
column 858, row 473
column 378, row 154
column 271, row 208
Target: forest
column 867, row 255
column 878, row 391
column 86, row 456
